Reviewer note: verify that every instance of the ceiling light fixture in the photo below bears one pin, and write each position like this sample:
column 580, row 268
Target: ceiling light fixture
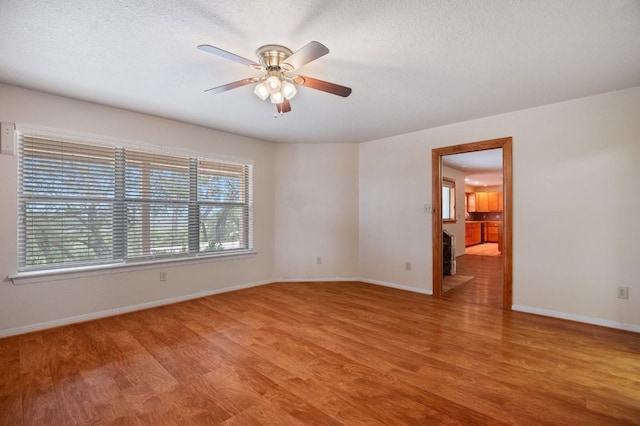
column 276, row 98
column 273, row 84
column 261, row 91
column 288, row 89
column 276, row 87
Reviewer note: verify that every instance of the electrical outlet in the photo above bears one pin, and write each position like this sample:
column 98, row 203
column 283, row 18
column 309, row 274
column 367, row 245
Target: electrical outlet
column 407, row 266
column 623, row 292
column 319, row 260
column 427, row 208
column 163, row 276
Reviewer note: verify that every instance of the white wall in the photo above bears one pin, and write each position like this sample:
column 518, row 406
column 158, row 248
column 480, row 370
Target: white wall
column 576, row 227
column 316, row 211
column 361, row 207
column 23, row 306
column 395, row 183
column 458, row 228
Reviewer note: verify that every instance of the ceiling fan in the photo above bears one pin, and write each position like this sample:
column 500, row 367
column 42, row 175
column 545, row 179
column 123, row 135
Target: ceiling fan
column 277, row 62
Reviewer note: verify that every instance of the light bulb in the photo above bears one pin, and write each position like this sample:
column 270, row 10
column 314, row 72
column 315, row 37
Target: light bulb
column 273, row 84
column 288, row 90
column 261, row 91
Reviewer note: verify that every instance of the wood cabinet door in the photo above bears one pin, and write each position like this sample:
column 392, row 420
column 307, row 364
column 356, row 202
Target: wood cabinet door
column 491, row 232
column 493, row 201
column 477, row 233
column 467, row 234
column 500, row 201
column 473, row 234
column 482, row 201
column 471, row 202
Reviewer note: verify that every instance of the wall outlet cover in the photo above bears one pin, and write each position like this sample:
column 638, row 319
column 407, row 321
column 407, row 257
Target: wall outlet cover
column 7, row 138
column 623, row 292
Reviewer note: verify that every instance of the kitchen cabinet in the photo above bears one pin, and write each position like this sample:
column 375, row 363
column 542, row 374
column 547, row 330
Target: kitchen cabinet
column 484, row 202
column 472, row 234
column 491, row 232
column 471, row 202
column 493, row 202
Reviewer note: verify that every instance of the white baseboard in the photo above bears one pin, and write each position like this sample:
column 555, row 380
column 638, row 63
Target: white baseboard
column 577, row 318
column 398, row 286
column 123, row 310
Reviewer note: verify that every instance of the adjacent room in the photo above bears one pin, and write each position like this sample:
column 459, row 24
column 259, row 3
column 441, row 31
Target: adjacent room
column 473, row 181
column 319, row 212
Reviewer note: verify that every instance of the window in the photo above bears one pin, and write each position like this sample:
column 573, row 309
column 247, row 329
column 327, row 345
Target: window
column 86, row 204
column 448, row 200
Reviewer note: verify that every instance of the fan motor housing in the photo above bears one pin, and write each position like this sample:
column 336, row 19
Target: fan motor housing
column 271, row 56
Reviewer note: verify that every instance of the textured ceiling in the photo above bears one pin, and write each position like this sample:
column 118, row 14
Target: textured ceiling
column 412, row 65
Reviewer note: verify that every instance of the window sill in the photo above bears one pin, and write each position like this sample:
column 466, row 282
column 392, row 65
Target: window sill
column 86, row 271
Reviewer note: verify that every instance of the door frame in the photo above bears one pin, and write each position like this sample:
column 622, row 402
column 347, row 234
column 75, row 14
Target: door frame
column 507, row 211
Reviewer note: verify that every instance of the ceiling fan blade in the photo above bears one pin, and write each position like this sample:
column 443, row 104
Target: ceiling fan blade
column 306, row 54
column 285, row 106
column 230, row 86
column 325, row 86
column 228, row 55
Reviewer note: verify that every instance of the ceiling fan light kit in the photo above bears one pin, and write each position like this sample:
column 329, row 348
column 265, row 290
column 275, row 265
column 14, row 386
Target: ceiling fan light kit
column 273, row 84
column 261, row 91
column 276, row 61
column 276, row 98
column 288, row 89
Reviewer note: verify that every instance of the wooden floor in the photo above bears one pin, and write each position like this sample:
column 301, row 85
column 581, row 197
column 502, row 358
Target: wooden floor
column 484, row 249
column 486, row 286
column 322, row 353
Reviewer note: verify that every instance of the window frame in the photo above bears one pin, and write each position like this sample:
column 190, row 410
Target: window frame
column 119, row 258
column 451, row 184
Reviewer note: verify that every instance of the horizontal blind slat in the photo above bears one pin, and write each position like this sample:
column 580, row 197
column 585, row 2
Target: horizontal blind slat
column 83, row 204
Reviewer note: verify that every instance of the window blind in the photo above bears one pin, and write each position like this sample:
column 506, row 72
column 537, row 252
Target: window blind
column 223, row 213
column 87, row 204
column 66, row 203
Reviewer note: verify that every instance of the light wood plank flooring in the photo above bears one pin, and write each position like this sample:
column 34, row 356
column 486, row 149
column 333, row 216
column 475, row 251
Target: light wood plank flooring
column 485, row 249
column 322, row 353
column 486, row 286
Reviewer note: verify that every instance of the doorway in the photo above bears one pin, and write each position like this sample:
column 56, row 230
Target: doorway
column 506, row 264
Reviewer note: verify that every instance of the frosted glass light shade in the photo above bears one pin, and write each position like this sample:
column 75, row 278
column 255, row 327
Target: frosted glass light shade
column 277, row 98
column 288, row 89
column 261, row 91
column 273, row 84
